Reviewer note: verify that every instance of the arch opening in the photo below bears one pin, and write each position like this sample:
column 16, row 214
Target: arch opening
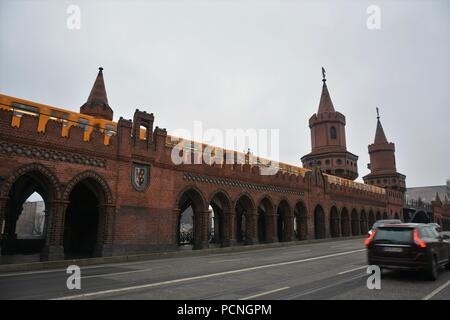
column 264, row 224
column 355, row 223
column 189, row 232
column 319, row 222
column 283, row 213
column 301, row 221
column 334, row 222
column 363, row 222
column 29, row 202
column 218, row 206
column 345, row 223
column 244, row 210
column 83, row 232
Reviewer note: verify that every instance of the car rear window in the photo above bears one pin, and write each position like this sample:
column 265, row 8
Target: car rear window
column 382, row 222
column 394, row 234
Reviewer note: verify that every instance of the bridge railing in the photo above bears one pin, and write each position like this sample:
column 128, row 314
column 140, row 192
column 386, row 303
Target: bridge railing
column 417, row 204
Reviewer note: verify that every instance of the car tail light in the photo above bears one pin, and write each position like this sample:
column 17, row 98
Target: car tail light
column 369, row 239
column 419, row 241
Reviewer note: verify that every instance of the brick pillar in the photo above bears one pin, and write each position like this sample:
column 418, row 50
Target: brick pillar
column 229, row 229
column 201, row 220
column 105, row 236
column 251, row 228
column 54, row 249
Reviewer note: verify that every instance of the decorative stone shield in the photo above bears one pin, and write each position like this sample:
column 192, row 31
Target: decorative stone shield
column 139, row 176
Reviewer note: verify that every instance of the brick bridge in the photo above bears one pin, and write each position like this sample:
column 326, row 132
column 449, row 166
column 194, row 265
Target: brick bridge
column 112, row 188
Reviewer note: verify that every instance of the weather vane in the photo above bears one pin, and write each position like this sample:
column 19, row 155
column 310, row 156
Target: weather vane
column 378, row 114
column 323, row 74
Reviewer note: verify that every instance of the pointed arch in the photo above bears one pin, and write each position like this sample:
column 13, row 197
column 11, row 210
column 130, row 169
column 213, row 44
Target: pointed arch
column 246, row 229
column 319, row 222
column 363, row 222
column 334, row 222
column 192, row 221
column 345, row 222
column 37, row 171
column 219, row 221
column 355, row 223
column 301, row 221
column 284, row 224
column 102, row 186
column 16, row 189
column 265, row 223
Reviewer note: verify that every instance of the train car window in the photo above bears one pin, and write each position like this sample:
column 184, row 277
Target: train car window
column 83, row 123
column 64, row 119
column 109, row 130
column 20, row 109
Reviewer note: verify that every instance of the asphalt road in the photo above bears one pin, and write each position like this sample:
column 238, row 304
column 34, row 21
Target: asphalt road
column 326, row 270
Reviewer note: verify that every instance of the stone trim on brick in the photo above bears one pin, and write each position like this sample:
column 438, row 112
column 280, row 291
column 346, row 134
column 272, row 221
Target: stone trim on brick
column 239, row 184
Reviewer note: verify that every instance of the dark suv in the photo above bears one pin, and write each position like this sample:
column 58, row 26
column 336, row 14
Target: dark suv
column 409, row 246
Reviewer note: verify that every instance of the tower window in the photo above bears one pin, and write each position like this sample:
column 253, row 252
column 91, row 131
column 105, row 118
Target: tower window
column 327, row 161
column 339, row 161
column 333, row 133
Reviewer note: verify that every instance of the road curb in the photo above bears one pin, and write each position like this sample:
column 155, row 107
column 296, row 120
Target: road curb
column 63, row 264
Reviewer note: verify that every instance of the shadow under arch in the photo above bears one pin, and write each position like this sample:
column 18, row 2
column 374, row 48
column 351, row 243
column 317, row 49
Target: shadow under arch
column 283, row 221
column 319, row 222
column 345, row 222
column 300, row 221
column 85, row 222
column 245, row 220
column 334, row 222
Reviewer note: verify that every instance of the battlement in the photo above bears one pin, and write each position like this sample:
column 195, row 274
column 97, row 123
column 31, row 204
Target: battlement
column 326, row 117
column 382, row 147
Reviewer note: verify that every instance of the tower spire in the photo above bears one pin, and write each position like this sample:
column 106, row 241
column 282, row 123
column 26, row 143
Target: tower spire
column 380, row 137
column 325, row 104
column 97, row 102
column 383, row 171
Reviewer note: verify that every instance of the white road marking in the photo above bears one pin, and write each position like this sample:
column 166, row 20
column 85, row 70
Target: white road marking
column 114, row 273
column 111, row 265
column 227, row 260
column 264, row 293
column 323, row 288
column 436, row 291
column 296, row 252
column 351, row 270
column 150, row 285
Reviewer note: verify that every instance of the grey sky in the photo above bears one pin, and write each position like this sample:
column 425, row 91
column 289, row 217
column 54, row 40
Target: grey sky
column 247, row 64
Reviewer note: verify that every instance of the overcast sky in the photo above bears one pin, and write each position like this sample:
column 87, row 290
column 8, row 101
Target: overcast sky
column 247, row 64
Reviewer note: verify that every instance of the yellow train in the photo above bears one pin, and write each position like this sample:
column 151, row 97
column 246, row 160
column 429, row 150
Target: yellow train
column 46, row 113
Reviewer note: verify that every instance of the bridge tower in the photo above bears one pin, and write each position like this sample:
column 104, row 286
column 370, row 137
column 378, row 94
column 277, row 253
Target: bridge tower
column 383, row 171
column 328, row 142
column 97, row 102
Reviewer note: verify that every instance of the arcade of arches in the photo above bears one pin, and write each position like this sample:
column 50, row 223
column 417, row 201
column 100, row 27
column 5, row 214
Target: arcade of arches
column 79, row 217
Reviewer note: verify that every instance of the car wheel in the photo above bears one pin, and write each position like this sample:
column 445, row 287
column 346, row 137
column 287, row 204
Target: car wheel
column 433, row 271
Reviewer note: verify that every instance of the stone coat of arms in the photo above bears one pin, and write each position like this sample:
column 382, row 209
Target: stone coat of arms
column 139, row 176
